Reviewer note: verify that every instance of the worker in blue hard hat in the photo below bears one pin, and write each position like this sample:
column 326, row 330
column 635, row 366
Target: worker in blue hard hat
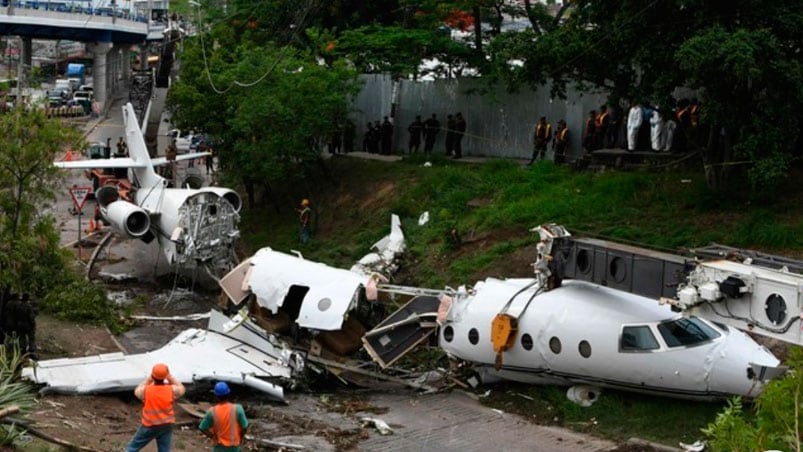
column 225, row 423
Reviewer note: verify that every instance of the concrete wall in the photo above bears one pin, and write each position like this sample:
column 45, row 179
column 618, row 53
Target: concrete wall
column 498, row 124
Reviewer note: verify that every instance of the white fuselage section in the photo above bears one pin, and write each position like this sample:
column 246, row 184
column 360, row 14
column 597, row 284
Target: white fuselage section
column 586, row 333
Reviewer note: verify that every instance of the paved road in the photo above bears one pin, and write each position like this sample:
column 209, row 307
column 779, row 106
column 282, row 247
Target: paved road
column 455, row 422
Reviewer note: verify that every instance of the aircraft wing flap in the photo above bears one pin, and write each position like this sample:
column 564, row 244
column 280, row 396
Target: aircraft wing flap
column 123, row 162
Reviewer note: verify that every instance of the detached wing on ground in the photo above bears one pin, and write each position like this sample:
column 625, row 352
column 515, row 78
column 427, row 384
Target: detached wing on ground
column 246, row 355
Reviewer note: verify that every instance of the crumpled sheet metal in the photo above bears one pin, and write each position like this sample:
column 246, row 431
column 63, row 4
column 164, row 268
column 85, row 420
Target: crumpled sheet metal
column 387, row 249
column 332, row 291
column 193, row 355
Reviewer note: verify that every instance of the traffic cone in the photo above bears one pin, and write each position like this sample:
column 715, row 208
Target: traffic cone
column 68, row 156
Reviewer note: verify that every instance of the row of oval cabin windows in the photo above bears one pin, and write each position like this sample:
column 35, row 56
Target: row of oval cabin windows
column 682, row 332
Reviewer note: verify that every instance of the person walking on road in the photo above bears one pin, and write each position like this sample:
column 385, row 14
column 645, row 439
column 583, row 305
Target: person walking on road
column 158, row 392
column 225, row 423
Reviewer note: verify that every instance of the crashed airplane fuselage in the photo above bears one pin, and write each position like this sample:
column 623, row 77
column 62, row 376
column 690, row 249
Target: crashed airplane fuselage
column 585, row 333
column 192, row 226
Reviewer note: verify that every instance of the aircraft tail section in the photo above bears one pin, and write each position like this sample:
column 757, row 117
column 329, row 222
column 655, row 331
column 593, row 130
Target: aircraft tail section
column 137, row 150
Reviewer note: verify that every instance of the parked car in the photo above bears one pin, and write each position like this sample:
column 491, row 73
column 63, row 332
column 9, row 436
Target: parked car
column 183, row 140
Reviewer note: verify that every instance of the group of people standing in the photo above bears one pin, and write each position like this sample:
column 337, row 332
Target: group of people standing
column 668, row 130
column 602, row 129
column 542, row 136
column 378, row 137
column 429, row 129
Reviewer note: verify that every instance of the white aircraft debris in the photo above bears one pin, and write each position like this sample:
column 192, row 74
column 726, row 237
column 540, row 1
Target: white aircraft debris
column 246, row 355
column 387, row 250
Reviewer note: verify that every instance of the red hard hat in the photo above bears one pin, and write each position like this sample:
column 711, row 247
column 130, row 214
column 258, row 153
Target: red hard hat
column 160, row 371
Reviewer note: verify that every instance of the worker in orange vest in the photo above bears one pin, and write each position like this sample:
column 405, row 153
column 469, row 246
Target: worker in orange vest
column 157, row 392
column 541, row 136
column 225, row 422
column 602, row 123
column 304, row 214
column 560, row 143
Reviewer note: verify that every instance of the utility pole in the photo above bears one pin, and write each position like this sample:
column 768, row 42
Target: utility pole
column 20, row 74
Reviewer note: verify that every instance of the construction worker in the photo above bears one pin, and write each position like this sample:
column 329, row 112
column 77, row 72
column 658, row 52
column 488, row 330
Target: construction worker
column 225, row 423
column 304, row 214
column 603, row 122
column 560, row 142
column 541, row 136
column 158, row 392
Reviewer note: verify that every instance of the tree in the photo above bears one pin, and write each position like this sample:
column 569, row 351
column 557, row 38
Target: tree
column 743, row 58
column 272, row 107
column 29, row 251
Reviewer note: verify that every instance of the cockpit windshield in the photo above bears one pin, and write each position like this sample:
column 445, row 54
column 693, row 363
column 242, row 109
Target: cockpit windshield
column 686, row 332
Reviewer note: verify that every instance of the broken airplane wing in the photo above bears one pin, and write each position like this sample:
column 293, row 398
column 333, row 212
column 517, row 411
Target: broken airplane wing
column 244, row 356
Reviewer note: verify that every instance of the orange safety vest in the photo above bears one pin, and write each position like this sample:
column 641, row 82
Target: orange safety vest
column 157, row 408
column 227, row 430
column 695, row 115
column 600, row 118
column 561, row 135
column 539, row 129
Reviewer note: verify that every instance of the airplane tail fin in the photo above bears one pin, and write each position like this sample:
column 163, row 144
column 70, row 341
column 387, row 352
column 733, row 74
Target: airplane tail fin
column 137, row 149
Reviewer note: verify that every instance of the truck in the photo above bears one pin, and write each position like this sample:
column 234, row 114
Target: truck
column 76, row 74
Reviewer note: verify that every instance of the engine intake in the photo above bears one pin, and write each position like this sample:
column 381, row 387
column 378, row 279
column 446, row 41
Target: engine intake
column 229, row 195
column 127, row 218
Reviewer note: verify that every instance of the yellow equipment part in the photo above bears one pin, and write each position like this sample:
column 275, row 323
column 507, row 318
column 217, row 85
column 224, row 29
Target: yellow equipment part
column 504, row 328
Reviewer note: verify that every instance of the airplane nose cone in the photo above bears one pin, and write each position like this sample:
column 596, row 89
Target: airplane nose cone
column 732, row 365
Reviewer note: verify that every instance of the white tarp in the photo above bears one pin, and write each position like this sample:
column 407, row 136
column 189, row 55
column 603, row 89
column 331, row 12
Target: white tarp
column 194, row 355
column 332, row 291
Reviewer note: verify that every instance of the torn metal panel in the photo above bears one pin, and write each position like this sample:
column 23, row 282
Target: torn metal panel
column 232, row 283
column 330, row 294
column 402, row 330
column 242, row 356
column 383, row 259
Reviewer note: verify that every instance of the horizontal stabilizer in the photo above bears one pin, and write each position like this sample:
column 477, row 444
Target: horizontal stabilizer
column 124, row 162
column 158, row 161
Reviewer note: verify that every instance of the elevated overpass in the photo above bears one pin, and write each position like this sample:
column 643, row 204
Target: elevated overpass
column 109, row 35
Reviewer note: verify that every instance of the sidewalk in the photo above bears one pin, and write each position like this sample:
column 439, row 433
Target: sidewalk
column 397, row 158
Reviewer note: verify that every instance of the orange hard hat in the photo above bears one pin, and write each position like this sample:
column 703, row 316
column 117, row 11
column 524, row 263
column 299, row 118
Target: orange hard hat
column 305, row 202
column 160, row 371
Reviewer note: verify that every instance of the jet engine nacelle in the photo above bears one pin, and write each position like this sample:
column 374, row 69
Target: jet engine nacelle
column 229, row 195
column 127, row 218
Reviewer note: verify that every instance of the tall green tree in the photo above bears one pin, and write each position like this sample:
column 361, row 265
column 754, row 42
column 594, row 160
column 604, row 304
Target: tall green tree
column 743, row 57
column 29, row 251
column 272, row 106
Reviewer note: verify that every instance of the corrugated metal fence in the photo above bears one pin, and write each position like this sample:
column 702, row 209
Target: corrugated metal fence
column 498, row 123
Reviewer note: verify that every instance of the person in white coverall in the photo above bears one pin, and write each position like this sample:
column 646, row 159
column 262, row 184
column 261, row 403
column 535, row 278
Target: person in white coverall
column 657, row 136
column 633, row 125
column 669, row 133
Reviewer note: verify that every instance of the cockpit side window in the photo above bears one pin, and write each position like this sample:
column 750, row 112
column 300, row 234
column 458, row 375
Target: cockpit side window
column 685, row 332
column 638, row 338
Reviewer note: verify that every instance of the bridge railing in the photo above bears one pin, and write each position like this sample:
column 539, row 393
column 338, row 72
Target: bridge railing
column 27, row 7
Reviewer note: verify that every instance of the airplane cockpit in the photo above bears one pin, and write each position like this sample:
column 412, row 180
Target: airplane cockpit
column 680, row 332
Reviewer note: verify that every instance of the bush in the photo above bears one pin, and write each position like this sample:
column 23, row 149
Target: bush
column 81, row 301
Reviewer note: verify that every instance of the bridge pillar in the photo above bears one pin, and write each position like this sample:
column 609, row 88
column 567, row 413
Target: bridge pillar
column 27, row 55
column 100, row 79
